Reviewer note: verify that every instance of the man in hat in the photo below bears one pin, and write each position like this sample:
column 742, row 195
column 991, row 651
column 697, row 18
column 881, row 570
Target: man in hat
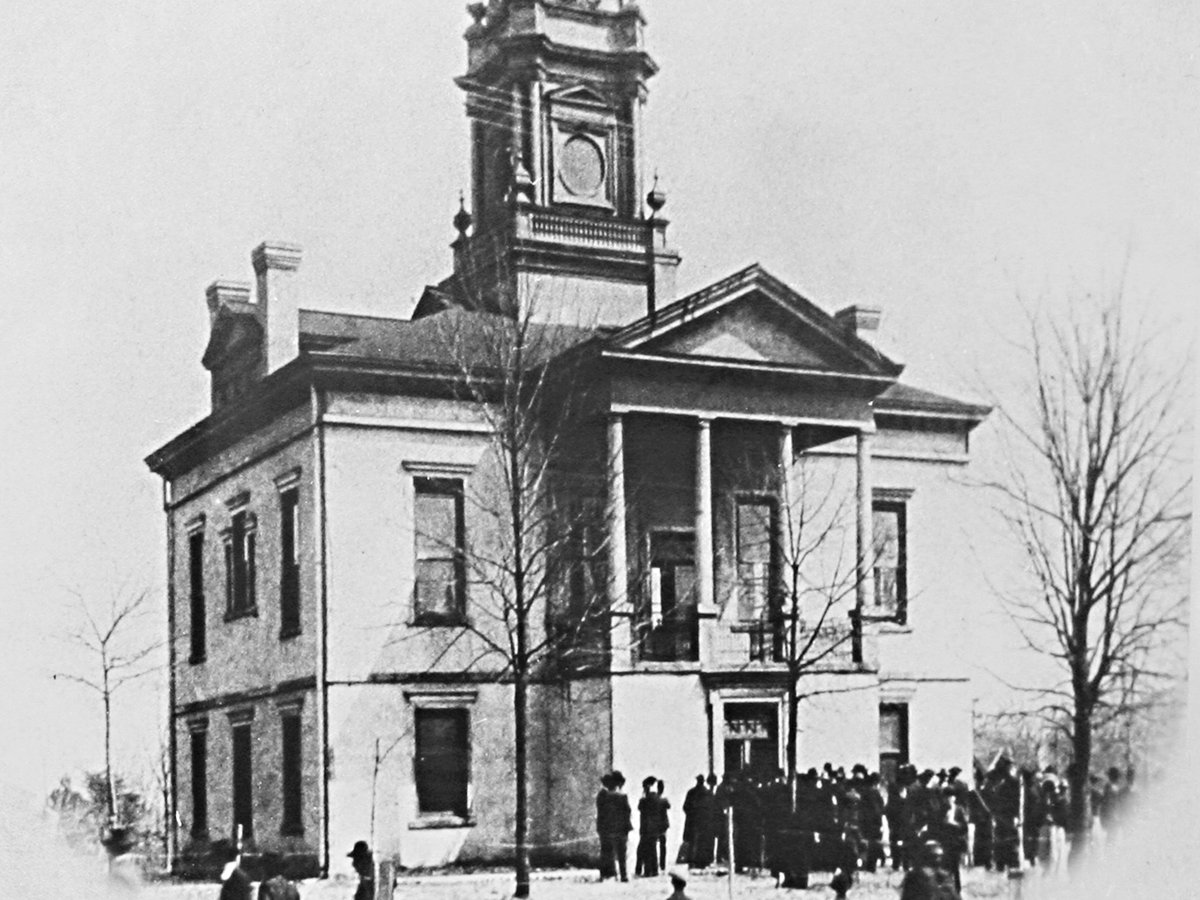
column 678, row 883
column 695, row 813
column 648, row 828
column 235, row 884
column 364, row 864
column 615, row 825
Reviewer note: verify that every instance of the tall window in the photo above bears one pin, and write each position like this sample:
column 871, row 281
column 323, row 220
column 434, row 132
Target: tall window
column 196, row 596
column 672, row 630
column 289, row 562
column 240, row 565
column 889, row 528
column 243, row 779
column 443, row 761
column 441, row 577
column 199, row 753
column 893, row 739
column 293, row 806
column 754, row 532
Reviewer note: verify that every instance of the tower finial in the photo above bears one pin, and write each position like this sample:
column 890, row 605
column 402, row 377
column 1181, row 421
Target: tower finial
column 462, row 218
column 656, row 199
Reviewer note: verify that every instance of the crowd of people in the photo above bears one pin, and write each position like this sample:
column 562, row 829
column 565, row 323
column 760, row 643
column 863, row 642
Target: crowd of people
column 1004, row 818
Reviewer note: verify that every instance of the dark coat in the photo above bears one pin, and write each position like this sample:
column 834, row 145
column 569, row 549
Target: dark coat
column 236, row 887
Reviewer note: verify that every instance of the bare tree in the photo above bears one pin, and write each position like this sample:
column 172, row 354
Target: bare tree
column 1097, row 495
column 116, row 654
column 538, row 595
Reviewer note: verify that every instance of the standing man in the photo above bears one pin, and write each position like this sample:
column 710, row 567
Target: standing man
column 695, row 814
column 620, row 823
column 664, row 824
column 235, row 884
column 604, row 819
column 363, row 861
column 648, row 819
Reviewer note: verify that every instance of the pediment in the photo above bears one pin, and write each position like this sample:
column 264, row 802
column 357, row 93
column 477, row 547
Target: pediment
column 754, row 318
column 579, row 95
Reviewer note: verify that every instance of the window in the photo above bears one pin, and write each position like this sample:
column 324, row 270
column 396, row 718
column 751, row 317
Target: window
column 440, row 576
column 671, row 629
column 239, row 565
column 289, row 562
column 893, row 739
column 199, row 748
column 889, row 529
column 293, row 816
column 196, row 595
column 442, row 761
column 243, row 779
column 754, row 544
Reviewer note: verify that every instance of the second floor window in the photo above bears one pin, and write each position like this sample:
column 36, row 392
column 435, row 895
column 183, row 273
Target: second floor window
column 196, row 596
column 289, row 562
column 889, row 528
column 240, row 565
column 754, row 540
column 671, row 632
column 440, row 595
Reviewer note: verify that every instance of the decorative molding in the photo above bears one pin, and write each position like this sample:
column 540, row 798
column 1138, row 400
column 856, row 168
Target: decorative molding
column 405, row 424
column 438, row 469
column 243, row 715
column 197, row 724
column 290, row 706
column 238, row 501
column 441, row 697
column 194, row 524
column 287, row 480
column 891, row 495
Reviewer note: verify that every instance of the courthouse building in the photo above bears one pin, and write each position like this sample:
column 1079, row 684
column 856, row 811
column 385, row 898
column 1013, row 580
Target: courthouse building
column 330, row 680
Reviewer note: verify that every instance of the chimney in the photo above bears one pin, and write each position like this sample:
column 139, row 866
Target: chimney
column 220, row 293
column 854, row 320
column 275, row 266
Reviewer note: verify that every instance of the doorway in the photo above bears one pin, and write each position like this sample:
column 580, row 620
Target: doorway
column 751, row 738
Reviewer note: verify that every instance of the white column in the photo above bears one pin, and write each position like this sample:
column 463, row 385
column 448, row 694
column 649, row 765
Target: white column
column 705, row 591
column 787, row 456
column 618, row 570
column 866, row 544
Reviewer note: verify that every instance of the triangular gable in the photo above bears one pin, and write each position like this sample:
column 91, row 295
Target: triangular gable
column 753, row 317
column 579, row 95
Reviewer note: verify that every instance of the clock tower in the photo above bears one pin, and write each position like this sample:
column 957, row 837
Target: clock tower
column 561, row 228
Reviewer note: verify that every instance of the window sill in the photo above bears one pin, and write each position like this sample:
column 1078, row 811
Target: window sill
column 248, row 613
column 197, row 660
column 429, row 821
column 293, row 831
column 438, row 622
column 289, row 634
column 893, row 626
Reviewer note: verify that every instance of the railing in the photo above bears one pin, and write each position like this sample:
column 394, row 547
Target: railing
column 673, row 640
column 836, row 645
column 583, row 232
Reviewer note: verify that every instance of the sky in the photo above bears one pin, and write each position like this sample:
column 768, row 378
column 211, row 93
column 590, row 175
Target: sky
column 944, row 161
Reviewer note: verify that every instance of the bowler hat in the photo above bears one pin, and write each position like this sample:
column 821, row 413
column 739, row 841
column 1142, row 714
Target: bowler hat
column 360, row 850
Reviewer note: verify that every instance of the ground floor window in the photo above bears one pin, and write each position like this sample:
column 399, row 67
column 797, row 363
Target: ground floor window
column 243, row 780
column 442, row 761
column 293, row 818
column 893, row 739
column 199, row 748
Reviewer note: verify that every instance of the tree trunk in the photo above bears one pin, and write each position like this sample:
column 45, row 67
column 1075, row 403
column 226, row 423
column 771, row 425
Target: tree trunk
column 109, row 786
column 1078, row 778
column 521, row 837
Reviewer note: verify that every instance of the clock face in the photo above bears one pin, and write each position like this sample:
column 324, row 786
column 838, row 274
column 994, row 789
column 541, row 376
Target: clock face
column 581, row 166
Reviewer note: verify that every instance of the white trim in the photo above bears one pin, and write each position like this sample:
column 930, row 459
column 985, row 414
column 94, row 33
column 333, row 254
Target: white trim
column 194, row 525
column 955, row 459
column 243, row 715
column 929, row 414
column 718, row 363
column 407, row 424
column 441, row 697
column 712, row 415
column 238, row 502
column 419, row 469
column 891, row 494
column 287, row 480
